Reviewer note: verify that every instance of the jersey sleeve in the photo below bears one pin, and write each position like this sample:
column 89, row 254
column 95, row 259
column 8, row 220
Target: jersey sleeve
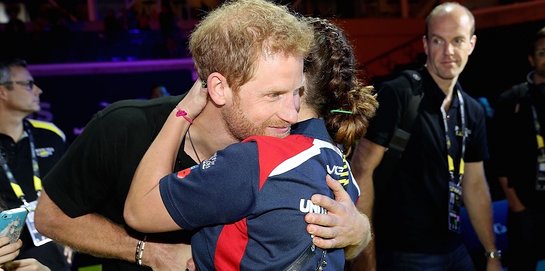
column 221, row 190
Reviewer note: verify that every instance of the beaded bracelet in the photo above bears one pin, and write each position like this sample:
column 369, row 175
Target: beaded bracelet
column 140, row 251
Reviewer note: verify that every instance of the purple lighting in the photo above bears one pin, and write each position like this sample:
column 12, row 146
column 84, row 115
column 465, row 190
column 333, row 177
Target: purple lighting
column 112, row 67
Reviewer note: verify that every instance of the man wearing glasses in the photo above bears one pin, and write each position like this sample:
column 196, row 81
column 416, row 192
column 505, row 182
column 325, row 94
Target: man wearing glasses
column 28, row 150
column 517, row 145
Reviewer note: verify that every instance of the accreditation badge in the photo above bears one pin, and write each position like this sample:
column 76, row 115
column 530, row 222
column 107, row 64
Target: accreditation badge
column 37, row 238
column 454, row 207
column 540, row 178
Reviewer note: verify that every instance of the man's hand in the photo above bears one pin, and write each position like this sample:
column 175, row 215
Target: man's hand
column 29, row 264
column 8, row 251
column 343, row 226
column 166, row 257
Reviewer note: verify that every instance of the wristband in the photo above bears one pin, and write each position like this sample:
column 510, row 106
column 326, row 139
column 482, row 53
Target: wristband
column 182, row 113
column 139, row 251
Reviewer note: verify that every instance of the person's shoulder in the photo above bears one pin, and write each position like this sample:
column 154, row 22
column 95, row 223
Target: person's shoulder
column 48, row 127
column 131, row 111
column 399, row 79
column 514, row 93
column 405, row 82
column 141, row 105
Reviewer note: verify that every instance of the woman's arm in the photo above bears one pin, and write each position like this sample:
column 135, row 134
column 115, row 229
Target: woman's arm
column 144, row 208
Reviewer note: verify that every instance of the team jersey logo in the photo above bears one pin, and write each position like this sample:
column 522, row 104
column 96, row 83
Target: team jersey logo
column 306, row 206
column 209, row 162
column 341, row 172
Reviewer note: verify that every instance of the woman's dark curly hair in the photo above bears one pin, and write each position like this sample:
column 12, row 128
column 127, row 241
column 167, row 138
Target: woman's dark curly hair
column 332, row 84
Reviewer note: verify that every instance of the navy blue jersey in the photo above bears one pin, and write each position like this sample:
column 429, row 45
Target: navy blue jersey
column 248, row 201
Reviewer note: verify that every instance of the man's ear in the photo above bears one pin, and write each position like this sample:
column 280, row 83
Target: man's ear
column 531, row 61
column 218, row 89
column 425, row 44
column 3, row 92
column 472, row 42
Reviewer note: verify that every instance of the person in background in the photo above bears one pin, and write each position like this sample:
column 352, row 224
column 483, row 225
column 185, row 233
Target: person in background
column 519, row 155
column 158, row 91
column 28, row 150
column 84, row 196
column 242, row 178
column 416, row 214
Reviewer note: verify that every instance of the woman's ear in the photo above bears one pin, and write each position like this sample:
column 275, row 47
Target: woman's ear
column 218, row 89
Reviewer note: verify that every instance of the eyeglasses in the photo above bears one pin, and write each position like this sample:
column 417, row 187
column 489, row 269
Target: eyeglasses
column 28, row 84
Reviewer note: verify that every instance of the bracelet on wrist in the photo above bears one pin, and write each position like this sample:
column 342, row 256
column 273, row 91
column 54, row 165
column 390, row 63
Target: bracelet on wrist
column 140, row 251
column 495, row 254
column 182, row 113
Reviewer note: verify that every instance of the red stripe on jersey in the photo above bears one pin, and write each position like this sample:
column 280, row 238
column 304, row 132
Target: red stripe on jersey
column 272, row 151
column 231, row 245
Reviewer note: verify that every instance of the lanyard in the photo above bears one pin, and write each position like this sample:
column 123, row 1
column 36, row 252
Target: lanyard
column 35, row 169
column 539, row 137
column 451, row 167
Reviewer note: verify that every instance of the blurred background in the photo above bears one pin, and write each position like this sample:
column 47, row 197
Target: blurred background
column 86, row 54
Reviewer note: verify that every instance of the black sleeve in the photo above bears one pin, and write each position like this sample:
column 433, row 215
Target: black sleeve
column 390, row 97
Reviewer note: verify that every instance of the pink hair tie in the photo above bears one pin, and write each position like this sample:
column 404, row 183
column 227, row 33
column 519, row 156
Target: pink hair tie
column 182, row 113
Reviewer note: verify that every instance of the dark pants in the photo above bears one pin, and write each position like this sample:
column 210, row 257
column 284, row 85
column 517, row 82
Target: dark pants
column 456, row 260
column 525, row 240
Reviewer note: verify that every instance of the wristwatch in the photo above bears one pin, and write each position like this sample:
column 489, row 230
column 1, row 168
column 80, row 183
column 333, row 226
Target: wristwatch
column 495, row 254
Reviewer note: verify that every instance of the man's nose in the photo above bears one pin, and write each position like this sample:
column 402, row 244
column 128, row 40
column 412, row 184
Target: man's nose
column 36, row 89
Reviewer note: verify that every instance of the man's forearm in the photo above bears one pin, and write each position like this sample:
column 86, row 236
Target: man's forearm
column 515, row 204
column 91, row 233
column 479, row 207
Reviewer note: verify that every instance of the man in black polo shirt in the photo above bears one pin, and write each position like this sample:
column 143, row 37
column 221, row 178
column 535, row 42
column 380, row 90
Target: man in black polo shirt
column 417, row 209
column 28, row 150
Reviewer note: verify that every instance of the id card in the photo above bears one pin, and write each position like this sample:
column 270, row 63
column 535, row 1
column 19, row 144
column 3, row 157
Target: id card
column 37, row 238
column 540, row 178
column 454, row 205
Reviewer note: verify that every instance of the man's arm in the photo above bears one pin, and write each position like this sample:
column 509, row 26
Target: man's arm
column 365, row 160
column 515, row 205
column 98, row 236
column 344, row 226
column 477, row 201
